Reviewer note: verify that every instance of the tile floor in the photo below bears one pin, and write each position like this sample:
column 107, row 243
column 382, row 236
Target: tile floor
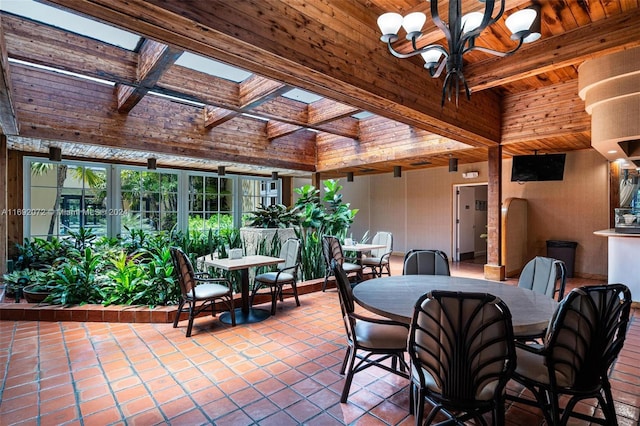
column 282, row 371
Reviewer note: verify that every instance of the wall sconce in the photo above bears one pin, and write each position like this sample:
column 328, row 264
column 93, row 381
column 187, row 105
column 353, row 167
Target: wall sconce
column 55, row 153
column 397, row 171
column 222, row 170
column 152, row 163
column 274, row 175
column 453, row 164
column 349, row 176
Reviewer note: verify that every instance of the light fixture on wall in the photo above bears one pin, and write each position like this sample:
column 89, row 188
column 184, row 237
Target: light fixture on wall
column 461, row 33
column 274, row 175
column 397, row 171
column 222, row 170
column 55, row 153
column 349, row 176
column 152, row 163
column 453, row 164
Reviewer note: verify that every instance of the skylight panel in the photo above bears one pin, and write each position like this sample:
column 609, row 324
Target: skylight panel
column 73, row 74
column 212, row 67
column 302, row 96
column 362, row 115
column 71, row 22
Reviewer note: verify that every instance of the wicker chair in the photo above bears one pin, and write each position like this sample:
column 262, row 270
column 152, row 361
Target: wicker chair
column 332, row 250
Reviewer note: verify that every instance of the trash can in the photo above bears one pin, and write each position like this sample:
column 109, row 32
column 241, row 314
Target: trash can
column 565, row 251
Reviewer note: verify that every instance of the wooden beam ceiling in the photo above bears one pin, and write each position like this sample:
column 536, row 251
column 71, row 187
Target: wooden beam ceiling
column 525, row 102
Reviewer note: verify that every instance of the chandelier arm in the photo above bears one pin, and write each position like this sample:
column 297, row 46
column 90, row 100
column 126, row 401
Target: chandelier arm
column 476, row 32
column 418, row 51
column 438, row 22
column 438, row 71
column 495, row 52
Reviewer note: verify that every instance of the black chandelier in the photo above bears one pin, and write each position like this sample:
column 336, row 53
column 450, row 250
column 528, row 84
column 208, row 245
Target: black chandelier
column 461, row 33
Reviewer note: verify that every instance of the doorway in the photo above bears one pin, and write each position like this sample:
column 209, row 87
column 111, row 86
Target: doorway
column 470, row 220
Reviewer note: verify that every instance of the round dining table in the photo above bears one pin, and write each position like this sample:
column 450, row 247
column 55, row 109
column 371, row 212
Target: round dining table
column 395, row 298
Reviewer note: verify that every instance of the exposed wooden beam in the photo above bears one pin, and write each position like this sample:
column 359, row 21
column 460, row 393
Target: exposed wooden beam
column 613, row 34
column 326, row 110
column 307, row 51
column 153, row 60
column 56, row 106
column 214, row 116
column 276, row 129
column 8, row 122
column 256, row 90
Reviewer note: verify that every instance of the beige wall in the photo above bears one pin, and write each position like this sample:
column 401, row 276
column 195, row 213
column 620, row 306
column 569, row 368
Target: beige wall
column 418, row 207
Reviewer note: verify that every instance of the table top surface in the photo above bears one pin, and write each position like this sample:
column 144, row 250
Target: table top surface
column 243, row 263
column 362, row 247
column 395, row 297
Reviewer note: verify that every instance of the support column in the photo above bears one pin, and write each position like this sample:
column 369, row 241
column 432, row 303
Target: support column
column 494, row 270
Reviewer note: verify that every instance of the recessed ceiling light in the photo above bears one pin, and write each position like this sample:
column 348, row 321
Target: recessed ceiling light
column 612, row 151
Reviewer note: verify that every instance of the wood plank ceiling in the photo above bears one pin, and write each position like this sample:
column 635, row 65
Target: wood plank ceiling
column 526, row 102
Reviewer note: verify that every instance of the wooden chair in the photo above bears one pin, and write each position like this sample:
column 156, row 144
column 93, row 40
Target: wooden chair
column 199, row 291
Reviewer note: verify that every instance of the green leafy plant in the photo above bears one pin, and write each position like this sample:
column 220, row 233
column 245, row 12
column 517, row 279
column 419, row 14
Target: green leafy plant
column 162, row 287
column 273, row 216
column 127, row 285
column 73, row 282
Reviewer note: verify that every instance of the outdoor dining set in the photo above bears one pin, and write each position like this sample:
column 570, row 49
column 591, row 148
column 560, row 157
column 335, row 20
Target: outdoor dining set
column 458, row 341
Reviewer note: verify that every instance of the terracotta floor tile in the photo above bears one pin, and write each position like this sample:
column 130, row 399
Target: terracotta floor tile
column 282, row 371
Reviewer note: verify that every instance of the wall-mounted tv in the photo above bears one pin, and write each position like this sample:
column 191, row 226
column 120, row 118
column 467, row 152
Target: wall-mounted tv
column 527, row 168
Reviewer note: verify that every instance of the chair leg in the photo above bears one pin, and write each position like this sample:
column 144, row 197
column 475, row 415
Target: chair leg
column 178, row 312
column 274, row 298
column 294, row 287
column 347, row 355
column 191, row 317
column 349, row 378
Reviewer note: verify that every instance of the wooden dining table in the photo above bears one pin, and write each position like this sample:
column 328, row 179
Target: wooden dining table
column 395, row 298
column 245, row 314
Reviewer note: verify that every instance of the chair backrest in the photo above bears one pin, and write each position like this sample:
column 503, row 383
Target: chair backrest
column 544, row 275
column 385, row 238
column 290, row 252
column 345, row 294
column 465, row 342
column 184, row 269
column 332, row 249
column 426, row 262
column 586, row 334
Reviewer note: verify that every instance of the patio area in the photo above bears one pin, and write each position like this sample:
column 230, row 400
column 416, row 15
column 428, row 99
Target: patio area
column 282, row 371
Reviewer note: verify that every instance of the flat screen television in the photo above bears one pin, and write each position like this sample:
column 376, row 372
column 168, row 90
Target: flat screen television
column 528, row 168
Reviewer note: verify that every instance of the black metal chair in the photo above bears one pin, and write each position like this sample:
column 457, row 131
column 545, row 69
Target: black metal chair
column 585, row 336
column 370, row 341
column 199, row 291
column 426, row 262
column 462, row 356
column 378, row 261
column 332, row 250
column 286, row 274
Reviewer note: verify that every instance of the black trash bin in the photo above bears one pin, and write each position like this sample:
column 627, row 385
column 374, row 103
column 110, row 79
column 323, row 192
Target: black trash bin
column 565, row 251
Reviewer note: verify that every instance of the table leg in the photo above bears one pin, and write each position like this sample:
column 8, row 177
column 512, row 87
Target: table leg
column 245, row 314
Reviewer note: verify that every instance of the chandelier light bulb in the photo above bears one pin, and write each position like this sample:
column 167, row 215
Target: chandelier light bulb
column 520, row 22
column 471, row 21
column 412, row 24
column 390, row 24
column 431, row 57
